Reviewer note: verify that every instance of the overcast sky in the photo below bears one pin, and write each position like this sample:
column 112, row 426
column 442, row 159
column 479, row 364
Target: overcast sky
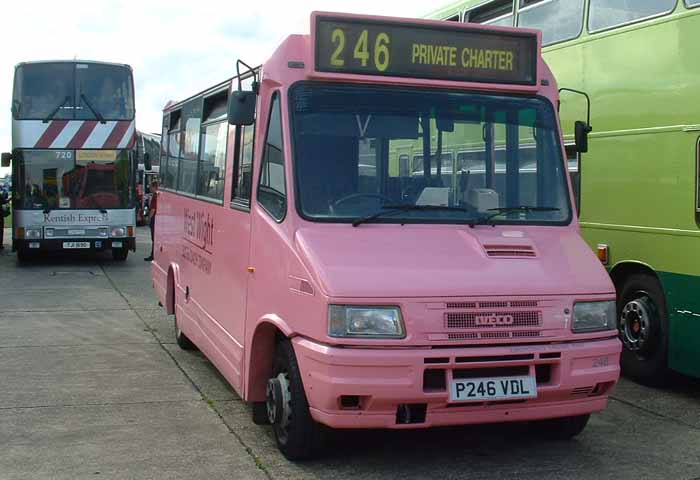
column 176, row 48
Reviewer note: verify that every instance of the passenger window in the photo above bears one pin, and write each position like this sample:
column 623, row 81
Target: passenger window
column 604, row 14
column 212, row 158
column 453, row 18
column 499, row 12
column 187, row 174
column 272, row 191
column 692, row 3
column 244, row 168
column 164, row 148
column 559, row 20
column 173, row 139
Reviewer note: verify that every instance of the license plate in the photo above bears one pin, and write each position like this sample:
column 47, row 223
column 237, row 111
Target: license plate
column 76, row 232
column 116, row 244
column 76, row 244
column 498, row 388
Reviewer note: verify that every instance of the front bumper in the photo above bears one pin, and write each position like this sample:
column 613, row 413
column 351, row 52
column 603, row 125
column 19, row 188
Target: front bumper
column 57, row 245
column 369, row 388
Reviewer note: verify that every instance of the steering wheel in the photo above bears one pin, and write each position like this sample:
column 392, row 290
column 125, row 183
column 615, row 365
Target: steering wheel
column 353, row 196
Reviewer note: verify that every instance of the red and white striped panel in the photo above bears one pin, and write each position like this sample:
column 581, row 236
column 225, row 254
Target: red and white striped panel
column 73, row 134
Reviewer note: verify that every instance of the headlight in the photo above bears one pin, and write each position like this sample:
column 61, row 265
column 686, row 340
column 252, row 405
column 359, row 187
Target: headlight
column 118, row 232
column 594, row 317
column 32, row 233
column 365, row 322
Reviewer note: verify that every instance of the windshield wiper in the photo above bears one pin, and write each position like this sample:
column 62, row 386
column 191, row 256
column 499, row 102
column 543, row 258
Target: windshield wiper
column 392, row 209
column 53, row 112
column 97, row 114
column 486, row 219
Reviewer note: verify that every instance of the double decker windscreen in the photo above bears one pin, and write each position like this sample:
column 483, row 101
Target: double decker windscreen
column 73, row 179
column 390, row 48
column 73, row 91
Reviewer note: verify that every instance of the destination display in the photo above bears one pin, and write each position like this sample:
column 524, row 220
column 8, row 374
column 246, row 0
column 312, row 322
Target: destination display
column 411, row 50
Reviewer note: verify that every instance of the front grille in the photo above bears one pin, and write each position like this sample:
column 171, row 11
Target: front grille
column 491, row 335
column 487, row 304
column 469, row 320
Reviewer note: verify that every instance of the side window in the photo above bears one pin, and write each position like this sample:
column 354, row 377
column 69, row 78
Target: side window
column 164, row 148
column 605, row 14
column 173, row 140
column 697, row 178
column 187, row 175
column 453, row 18
column 692, row 3
column 559, row 20
column 244, row 167
column 272, row 190
column 212, row 157
column 498, row 12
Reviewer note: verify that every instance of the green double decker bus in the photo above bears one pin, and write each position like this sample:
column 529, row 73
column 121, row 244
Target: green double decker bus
column 638, row 185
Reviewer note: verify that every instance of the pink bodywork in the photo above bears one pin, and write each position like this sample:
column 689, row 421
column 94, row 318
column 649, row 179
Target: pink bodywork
column 253, row 281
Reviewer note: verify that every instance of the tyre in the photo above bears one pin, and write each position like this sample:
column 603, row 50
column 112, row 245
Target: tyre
column 120, row 254
column 260, row 416
column 182, row 340
column 563, row 428
column 296, row 433
column 23, row 255
column 643, row 326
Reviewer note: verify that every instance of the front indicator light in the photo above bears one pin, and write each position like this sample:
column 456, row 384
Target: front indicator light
column 130, row 231
column 365, row 322
column 594, row 317
column 603, row 252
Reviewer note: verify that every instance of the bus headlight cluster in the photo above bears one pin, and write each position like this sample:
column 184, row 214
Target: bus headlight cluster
column 48, row 232
column 32, row 233
column 365, row 322
column 594, row 317
column 118, row 232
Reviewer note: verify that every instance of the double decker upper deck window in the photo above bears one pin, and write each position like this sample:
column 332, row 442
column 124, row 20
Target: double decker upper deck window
column 499, row 12
column 604, row 14
column 559, row 20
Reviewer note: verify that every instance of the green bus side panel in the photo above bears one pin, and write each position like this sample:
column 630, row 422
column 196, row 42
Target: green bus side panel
column 683, row 303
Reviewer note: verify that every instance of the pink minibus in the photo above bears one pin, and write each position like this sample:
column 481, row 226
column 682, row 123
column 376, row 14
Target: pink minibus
column 334, row 284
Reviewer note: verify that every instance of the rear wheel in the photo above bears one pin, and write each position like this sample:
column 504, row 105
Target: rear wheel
column 182, row 340
column 563, row 428
column 120, row 254
column 296, row 433
column 643, row 325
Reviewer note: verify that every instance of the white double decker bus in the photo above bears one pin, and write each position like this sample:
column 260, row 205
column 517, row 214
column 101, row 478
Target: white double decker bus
column 73, row 158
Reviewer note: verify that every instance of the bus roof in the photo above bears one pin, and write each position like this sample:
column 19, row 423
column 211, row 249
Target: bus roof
column 96, row 62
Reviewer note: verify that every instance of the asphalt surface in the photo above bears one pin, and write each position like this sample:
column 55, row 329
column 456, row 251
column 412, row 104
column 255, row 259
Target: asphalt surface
column 92, row 385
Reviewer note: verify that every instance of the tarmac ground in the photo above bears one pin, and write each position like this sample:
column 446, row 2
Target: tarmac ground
column 93, row 385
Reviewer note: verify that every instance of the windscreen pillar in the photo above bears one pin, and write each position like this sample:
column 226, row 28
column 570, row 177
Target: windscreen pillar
column 512, row 160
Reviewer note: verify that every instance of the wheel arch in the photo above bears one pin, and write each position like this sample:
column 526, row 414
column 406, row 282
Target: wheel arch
column 623, row 270
column 269, row 330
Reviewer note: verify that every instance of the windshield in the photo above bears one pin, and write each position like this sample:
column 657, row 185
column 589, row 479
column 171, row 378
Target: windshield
column 70, row 179
column 67, row 91
column 361, row 149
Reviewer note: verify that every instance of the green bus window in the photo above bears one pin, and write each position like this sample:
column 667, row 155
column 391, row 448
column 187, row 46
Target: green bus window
column 559, row 20
column 499, row 12
column 453, row 18
column 604, row 14
column 692, row 3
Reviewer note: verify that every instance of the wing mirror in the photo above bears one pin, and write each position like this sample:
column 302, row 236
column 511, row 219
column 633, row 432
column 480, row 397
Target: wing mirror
column 6, row 159
column 581, row 131
column 241, row 108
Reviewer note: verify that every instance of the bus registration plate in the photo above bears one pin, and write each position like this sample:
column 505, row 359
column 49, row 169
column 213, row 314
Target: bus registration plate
column 498, row 388
column 72, row 245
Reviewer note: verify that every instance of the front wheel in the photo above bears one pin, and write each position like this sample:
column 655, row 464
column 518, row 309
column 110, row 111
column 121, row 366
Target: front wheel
column 296, row 433
column 23, row 255
column 120, row 254
column 563, row 428
column 643, row 325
